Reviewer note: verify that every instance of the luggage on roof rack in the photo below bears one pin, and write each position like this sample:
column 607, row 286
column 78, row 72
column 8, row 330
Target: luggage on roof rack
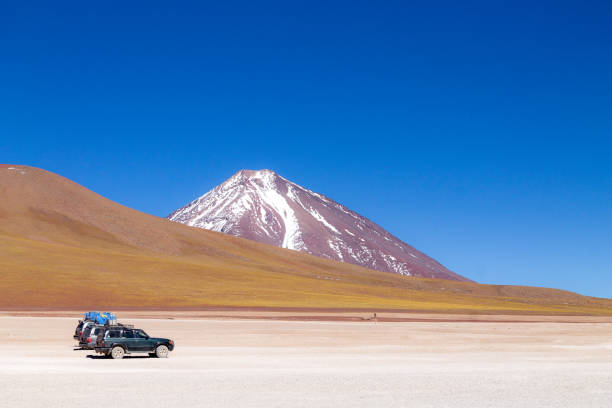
column 100, row 317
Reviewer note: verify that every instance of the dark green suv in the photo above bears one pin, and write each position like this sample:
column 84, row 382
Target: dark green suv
column 117, row 341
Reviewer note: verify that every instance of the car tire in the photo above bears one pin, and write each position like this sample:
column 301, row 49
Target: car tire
column 161, row 351
column 117, row 353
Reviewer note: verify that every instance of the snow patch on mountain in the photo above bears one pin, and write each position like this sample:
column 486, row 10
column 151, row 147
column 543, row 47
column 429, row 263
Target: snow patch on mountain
column 321, row 219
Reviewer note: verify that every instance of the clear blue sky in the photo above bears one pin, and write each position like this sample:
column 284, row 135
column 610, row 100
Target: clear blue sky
column 478, row 132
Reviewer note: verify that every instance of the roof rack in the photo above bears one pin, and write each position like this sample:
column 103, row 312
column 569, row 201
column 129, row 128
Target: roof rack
column 129, row 326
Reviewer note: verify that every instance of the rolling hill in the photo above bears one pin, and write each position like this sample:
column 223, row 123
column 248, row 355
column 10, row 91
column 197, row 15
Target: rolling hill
column 64, row 246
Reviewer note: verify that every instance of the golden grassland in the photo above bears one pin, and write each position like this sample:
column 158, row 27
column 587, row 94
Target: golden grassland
column 38, row 274
column 63, row 246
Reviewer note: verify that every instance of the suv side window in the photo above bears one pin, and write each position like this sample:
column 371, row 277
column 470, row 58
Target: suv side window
column 128, row 334
column 140, row 334
column 113, row 333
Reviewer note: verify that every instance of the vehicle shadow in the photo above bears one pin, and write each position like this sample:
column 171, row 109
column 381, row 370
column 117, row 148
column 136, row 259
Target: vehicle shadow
column 101, row 357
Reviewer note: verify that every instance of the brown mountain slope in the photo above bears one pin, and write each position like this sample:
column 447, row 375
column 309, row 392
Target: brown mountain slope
column 63, row 246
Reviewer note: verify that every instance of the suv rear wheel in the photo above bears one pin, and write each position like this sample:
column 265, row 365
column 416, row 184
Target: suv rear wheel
column 161, row 351
column 117, row 352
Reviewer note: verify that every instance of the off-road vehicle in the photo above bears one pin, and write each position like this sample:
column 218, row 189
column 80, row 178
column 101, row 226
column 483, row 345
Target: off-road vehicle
column 81, row 328
column 91, row 318
column 117, row 341
column 88, row 338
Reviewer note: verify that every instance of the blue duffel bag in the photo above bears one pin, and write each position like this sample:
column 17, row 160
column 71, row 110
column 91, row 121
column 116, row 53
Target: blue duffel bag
column 100, row 317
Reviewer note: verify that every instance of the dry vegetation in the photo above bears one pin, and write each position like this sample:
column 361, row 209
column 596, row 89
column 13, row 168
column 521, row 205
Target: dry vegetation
column 63, row 246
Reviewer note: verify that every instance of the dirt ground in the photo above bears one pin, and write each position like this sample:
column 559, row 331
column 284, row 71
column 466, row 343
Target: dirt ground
column 257, row 360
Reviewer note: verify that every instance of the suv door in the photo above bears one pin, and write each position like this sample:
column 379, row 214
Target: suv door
column 127, row 338
column 111, row 337
column 144, row 343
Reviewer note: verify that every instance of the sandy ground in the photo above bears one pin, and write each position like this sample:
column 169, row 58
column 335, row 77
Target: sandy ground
column 221, row 362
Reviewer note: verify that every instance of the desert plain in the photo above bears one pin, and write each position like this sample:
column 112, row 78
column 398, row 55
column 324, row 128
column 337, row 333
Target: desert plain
column 306, row 359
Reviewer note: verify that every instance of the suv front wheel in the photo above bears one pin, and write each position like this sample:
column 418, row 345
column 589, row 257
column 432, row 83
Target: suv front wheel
column 117, row 352
column 161, row 351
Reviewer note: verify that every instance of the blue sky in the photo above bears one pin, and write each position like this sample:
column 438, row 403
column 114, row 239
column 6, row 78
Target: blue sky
column 477, row 132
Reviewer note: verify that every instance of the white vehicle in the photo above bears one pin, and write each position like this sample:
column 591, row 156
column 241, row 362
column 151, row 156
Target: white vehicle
column 90, row 334
column 79, row 333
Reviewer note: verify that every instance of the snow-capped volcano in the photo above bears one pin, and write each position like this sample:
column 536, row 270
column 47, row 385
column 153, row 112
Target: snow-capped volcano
column 263, row 206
